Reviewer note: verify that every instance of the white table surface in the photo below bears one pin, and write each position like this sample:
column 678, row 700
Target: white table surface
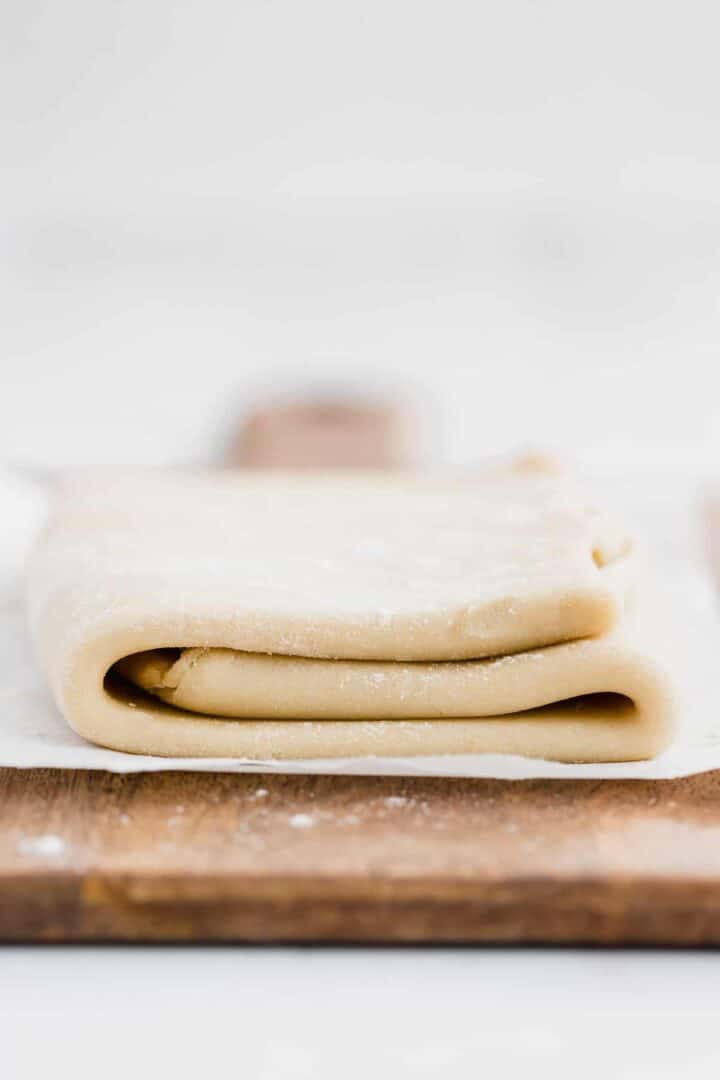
column 344, row 1013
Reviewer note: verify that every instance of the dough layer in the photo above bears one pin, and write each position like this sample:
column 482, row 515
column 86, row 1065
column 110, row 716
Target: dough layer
column 233, row 615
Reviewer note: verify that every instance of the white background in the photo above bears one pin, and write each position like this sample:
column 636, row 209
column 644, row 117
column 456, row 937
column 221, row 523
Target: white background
column 277, row 1014
column 512, row 210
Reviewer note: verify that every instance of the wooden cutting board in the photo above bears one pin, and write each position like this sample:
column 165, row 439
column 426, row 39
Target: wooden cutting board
column 205, row 857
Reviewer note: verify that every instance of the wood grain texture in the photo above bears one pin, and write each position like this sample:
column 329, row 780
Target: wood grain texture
column 191, row 857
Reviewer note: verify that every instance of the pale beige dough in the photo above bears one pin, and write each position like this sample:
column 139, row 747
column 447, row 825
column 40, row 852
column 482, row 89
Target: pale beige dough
column 238, row 615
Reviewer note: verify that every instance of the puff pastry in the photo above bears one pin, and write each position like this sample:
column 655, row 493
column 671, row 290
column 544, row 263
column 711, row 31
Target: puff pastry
column 232, row 614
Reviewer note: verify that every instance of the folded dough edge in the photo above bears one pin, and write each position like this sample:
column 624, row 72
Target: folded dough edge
column 521, row 699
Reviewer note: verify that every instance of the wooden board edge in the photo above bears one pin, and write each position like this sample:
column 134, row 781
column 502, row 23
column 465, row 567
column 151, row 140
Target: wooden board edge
column 131, row 908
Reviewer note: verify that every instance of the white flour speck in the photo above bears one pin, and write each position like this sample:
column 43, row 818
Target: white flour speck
column 395, row 800
column 301, row 821
column 261, row 793
column 47, row 845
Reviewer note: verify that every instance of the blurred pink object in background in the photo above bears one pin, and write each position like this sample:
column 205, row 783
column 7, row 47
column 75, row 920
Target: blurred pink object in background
column 327, row 433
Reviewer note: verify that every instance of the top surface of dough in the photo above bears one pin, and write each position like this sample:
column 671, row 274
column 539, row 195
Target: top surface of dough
column 349, row 565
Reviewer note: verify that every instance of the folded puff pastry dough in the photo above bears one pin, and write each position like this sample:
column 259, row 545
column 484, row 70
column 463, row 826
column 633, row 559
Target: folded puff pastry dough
column 232, row 614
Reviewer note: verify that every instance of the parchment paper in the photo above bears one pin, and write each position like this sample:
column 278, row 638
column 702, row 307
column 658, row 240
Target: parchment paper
column 34, row 734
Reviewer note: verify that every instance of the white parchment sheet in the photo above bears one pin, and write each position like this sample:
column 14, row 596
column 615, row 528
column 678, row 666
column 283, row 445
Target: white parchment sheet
column 34, row 734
